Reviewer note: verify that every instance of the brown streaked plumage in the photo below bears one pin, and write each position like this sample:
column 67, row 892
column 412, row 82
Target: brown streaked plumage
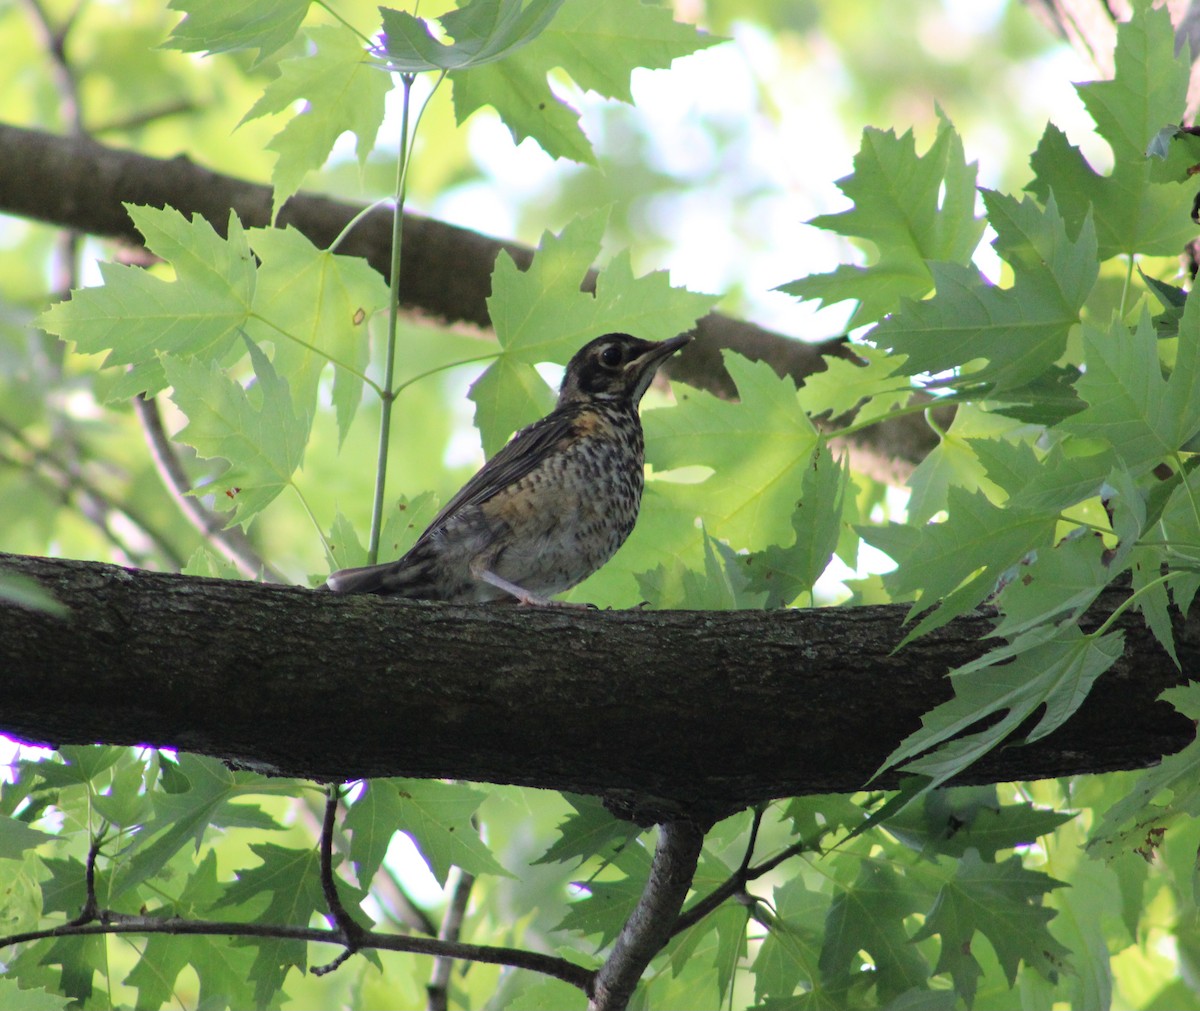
column 552, row 506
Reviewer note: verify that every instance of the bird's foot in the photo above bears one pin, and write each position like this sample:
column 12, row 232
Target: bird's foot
column 526, row 598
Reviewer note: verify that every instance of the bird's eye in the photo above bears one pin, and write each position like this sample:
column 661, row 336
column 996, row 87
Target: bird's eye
column 611, row 356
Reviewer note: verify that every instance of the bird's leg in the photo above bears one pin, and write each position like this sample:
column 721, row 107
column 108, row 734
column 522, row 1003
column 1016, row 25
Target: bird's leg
column 523, row 596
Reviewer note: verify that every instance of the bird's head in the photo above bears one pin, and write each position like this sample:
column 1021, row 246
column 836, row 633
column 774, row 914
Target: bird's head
column 615, row 367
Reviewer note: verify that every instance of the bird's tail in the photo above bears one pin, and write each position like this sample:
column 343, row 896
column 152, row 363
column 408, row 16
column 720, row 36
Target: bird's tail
column 407, row 577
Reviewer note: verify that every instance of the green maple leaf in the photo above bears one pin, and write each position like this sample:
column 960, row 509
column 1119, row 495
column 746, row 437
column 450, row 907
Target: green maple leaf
column 1050, row 667
column 953, row 462
column 437, row 816
column 871, row 390
column 722, row 585
column 1163, row 795
column 1143, row 416
column 1001, row 901
column 1021, row 330
column 207, row 787
column 259, row 432
column 341, row 90
column 590, row 830
column 605, row 908
column 957, row 563
column 784, row 573
column 1065, row 577
column 290, row 881
column 869, row 916
column 791, row 951
column 135, row 315
column 315, row 306
column 1132, row 213
column 16, row 837
column 540, row 315
column 599, row 46
column 1058, row 481
column 79, row 959
column 221, row 967
column 483, row 31
column 224, row 26
column 953, row 821
column 759, row 448
column 912, row 208
column 29, row 998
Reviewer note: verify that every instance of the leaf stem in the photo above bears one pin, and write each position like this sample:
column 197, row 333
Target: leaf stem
column 336, row 363
column 443, row 368
column 328, row 9
column 961, row 397
column 1129, row 601
column 341, row 236
column 387, row 394
column 1128, row 282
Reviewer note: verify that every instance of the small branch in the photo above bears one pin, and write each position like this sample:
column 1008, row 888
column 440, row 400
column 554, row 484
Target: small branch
column 439, row 981
column 735, row 886
column 91, row 908
column 351, row 931
column 649, row 926
column 69, row 482
column 110, row 922
column 400, row 906
column 231, row 542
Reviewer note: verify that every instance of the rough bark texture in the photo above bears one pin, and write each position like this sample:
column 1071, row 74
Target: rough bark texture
column 660, row 712
column 78, row 183
column 650, row 925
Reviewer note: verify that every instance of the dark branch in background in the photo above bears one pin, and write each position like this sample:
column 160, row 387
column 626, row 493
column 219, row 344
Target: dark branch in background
column 231, row 542
column 648, row 928
column 79, row 183
column 73, row 486
column 438, row 988
column 612, row 703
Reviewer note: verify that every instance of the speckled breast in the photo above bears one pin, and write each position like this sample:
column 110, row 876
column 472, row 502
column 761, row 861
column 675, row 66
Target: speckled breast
column 570, row 515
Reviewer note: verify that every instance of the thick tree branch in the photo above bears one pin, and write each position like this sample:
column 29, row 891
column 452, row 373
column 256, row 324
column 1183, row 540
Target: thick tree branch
column 81, row 184
column 660, row 712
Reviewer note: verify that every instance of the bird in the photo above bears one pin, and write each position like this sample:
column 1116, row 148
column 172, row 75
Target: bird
column 554, row 503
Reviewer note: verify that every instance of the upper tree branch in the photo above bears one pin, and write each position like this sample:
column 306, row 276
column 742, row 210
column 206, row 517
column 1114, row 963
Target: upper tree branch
column 661, row 712
column 78, row 183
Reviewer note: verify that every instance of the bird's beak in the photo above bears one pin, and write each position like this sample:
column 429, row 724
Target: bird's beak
column 659, row 352
column 646, row 364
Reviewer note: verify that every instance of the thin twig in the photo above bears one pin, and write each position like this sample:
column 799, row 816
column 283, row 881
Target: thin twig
column 396, row 904
column 72, row 487
column 54, row 40
column 439, row 980
column 351, row 931
column 230, row 542
column 111, row 922
column 650, row 925
column 91, row 908
column 734, row 886
column 389, row 889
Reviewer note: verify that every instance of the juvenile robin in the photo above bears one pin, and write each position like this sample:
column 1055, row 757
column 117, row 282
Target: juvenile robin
column 549, row 508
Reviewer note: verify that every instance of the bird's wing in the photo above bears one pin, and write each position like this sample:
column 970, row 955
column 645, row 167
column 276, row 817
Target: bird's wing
column 521, row 454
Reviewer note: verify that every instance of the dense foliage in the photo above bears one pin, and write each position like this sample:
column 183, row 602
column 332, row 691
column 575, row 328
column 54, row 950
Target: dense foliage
column 1073, row 361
